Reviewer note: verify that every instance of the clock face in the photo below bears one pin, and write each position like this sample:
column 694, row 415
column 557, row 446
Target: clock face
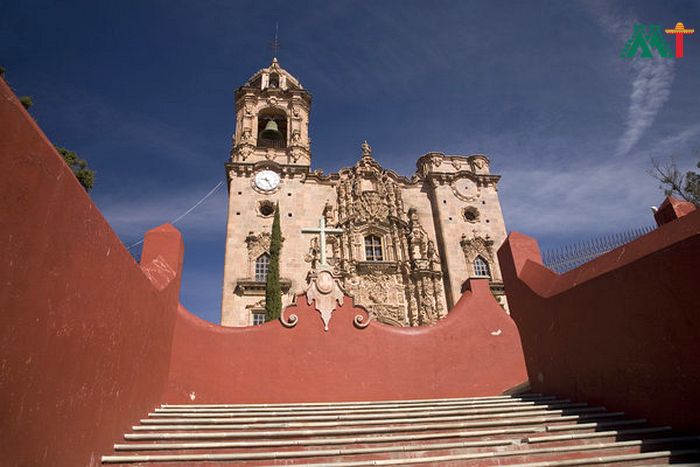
column 465, row 189
column 267, row 180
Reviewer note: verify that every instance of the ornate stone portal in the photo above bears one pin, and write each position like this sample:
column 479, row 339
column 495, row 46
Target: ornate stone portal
column 402, row 287
column 402, row 247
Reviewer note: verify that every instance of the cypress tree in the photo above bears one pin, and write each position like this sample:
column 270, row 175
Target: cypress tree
column 273, row 290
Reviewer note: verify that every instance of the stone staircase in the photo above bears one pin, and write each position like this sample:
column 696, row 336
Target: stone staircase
column 532, row 430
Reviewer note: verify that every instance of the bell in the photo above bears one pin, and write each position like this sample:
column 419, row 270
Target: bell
column 271, row 131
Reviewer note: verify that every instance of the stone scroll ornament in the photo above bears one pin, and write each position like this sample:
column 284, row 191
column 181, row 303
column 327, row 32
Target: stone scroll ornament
column 325, row 293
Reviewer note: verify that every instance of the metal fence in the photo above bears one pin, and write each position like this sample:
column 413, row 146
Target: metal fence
column 568, row 257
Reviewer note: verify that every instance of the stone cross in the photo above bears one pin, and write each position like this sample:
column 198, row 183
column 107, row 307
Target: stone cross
column 322, row 230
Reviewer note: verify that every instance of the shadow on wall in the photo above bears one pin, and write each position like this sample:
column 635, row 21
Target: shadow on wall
column 621, row 330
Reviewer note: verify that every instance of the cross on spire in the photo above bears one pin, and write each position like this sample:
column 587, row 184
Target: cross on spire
column 275, row 44
column 322, row 230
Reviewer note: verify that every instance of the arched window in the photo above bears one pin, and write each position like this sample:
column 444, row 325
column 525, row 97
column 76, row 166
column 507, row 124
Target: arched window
column 262, row 265
column 373, row 248
column 274, row 80
column 481, row 267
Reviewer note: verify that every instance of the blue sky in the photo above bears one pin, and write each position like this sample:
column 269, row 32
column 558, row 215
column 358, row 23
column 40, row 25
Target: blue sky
column 144, row 91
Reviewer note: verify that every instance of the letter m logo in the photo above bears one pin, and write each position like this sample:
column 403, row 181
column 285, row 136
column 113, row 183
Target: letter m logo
column 645, row 39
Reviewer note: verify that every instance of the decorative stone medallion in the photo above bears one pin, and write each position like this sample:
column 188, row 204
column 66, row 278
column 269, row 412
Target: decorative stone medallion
column 325, row 292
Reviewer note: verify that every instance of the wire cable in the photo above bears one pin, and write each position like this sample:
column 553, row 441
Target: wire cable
column 182, row 216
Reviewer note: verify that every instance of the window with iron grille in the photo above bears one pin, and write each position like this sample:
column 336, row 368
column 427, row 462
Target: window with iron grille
column 481, row 267
column 258, row 318
column 373, row 248
column 262, row 265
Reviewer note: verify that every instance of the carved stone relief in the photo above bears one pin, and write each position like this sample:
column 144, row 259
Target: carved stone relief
column 257, row 244
column 405, row 287
column 475, row 246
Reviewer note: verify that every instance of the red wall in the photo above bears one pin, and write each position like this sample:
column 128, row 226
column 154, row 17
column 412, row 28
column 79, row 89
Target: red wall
column 90, row 340
column 84, row 335
column 622, row 330
column 459, row 356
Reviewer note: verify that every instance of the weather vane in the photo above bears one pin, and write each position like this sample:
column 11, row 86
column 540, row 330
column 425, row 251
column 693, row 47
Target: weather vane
column 275, row 44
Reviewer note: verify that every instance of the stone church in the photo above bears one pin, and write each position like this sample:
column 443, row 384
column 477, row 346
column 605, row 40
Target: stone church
column 402, row 247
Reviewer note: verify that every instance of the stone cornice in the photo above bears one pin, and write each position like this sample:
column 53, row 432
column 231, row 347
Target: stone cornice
column 446, row 177
column 317, row 175
column 248, row 91
column 247, row 169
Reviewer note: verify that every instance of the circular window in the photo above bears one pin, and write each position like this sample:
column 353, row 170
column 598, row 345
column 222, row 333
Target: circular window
column 266, row 208
column 471, row 214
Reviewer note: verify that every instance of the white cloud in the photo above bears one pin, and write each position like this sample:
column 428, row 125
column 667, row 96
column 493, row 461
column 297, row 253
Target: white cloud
column 133, row 217
column 578, row 201
column 680, row 139
column 651, row 79
column 651, row 88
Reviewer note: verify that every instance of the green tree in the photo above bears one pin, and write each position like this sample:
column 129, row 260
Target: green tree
column 676, row 183
column 273, row 289
column 80, row 168
column 26, row 102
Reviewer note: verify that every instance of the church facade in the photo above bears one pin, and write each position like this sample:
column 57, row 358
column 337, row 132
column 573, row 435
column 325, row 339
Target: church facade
column 402, row 247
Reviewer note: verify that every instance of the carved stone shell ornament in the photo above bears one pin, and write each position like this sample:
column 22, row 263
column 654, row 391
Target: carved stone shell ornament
column 324, row 292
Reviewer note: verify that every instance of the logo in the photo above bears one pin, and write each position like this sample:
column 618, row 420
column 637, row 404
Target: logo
column 646, row 38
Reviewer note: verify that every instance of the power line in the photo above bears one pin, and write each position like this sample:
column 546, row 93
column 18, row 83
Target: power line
column 182, row 216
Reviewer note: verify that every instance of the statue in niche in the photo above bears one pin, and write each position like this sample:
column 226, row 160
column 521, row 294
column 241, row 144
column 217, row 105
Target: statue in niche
column 314, row 253
column 432, row 256
column 246, row 135
column 416, row 236
column 329, row 213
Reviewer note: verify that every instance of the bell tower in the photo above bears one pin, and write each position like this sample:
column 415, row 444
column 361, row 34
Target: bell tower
column 272, row 119
column 268, row 166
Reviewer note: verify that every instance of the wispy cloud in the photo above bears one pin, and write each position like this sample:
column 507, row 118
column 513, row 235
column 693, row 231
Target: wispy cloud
column 651, row 88
column 133, row 217
column 681, row 138
column 578, row 201
column 651, row 79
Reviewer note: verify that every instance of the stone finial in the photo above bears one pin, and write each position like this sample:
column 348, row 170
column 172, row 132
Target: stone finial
column 366, row 149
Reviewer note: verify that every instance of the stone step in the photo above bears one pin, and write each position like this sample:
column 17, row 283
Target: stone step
column 161, row 411
column 580, row 437
column 427, row 411
column 214, row 423
column 644, row 458
column 518, row 435
column 398, row 402
column 508, row 433
column 377, row 429
column 515, row 451
column 501, row 430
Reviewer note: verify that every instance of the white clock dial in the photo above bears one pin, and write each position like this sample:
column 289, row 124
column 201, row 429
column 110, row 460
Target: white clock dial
column 267, row 180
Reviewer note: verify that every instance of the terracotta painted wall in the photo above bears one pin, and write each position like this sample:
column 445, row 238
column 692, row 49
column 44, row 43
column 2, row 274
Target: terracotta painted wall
column 622, row 330
column 90, row 340
column 85, row 335
column 474, row 351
